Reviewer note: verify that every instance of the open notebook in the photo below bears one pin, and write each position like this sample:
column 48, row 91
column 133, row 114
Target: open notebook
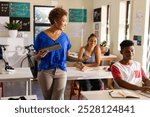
column 123, row 93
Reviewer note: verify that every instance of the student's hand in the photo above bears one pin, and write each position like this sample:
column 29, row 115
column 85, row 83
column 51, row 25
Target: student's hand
column 147, row 82
column 86, row 57
column 145, row 88
column 80, row 65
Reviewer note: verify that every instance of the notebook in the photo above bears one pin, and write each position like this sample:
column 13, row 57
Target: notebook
column 50, row 48
column 123, row 93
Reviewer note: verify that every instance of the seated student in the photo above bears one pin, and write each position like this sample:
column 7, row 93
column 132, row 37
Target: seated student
column 91, row 55
column 127, row 72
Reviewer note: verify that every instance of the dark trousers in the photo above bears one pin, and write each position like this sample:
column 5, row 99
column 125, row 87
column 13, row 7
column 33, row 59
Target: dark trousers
column 89, row 85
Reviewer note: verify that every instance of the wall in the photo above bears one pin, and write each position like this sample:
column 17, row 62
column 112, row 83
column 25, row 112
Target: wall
column 136, row 6
column 114, row 21
column 140, row 7
column 76, row 40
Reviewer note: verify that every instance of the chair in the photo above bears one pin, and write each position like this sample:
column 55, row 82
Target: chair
column 2, row 86
column 75, row 89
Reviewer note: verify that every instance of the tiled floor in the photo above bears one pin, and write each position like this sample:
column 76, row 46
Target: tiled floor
column 18, row 88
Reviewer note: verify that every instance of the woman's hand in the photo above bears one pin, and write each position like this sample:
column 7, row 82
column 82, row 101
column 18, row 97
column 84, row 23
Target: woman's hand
column 41, row 54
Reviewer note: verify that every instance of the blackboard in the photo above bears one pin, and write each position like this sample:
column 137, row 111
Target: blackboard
column 18, row 9
column 4, row 8
column 16, row 12
column 77, row 15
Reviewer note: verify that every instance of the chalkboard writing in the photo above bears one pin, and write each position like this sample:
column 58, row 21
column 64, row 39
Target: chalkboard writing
column 77, row 15
column 4, row 8
column 19, row 9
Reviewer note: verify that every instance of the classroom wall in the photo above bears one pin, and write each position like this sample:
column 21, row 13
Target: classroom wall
column 137, row 6
column 73, row 29
column 114, row 21
column 140, row 21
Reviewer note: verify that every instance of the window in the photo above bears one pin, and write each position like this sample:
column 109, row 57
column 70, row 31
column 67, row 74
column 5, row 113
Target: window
column 124, row 21
column 105, row 28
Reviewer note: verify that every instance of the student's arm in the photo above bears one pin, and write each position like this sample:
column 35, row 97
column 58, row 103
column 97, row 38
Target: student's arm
column 118, row 78
column 98, row 58
column 146, row 81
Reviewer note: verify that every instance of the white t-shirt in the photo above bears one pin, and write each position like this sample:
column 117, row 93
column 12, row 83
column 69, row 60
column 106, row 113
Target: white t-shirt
column 130, row 73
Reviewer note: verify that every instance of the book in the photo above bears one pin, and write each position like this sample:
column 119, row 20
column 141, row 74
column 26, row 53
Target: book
column 50, row 48
column 146, row 93
column 123, row 93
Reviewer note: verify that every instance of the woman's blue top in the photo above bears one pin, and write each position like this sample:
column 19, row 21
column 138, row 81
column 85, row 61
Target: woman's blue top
column 90, row 60
column 56, row 58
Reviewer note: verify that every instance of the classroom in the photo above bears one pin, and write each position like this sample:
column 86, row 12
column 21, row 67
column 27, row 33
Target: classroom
column 110, row 21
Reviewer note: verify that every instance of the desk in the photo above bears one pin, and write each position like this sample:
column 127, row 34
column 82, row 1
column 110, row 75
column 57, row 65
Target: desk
column 104, row 95
column 95, row 73
column 103, row 58
column 108, row 58
column 29, row 97
column 20, row 74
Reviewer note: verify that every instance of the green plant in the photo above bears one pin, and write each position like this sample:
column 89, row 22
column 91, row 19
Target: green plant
column 104, row 43
column 12, row 26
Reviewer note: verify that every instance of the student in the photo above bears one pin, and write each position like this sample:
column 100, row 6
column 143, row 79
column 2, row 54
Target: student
column 91, row 55
column 52, row 74
column 127, row 72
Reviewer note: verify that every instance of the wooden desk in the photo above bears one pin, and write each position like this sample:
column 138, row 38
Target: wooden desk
column 20, row 74
column 94, row 73
column 104, row 95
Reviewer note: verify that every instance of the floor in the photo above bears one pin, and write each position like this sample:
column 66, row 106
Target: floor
column 18, row 88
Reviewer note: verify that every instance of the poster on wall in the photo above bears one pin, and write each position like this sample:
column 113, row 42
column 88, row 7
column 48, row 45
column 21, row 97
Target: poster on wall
column 24, row 22
column 97, row 15
column 4, row 8
column 77, row 15
column 19, row 9
column 41, row 21
column 97, row 33
column 96, row 26
column 41, row 14
column 137, row 39
column 15, row 12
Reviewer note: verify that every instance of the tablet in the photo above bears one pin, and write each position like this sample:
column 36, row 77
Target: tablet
column 50, row 48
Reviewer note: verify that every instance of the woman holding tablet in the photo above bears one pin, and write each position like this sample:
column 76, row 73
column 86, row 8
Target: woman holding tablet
column 52, row 74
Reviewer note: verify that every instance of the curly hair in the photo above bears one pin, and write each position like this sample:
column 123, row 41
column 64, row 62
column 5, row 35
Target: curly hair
column 56, row 14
